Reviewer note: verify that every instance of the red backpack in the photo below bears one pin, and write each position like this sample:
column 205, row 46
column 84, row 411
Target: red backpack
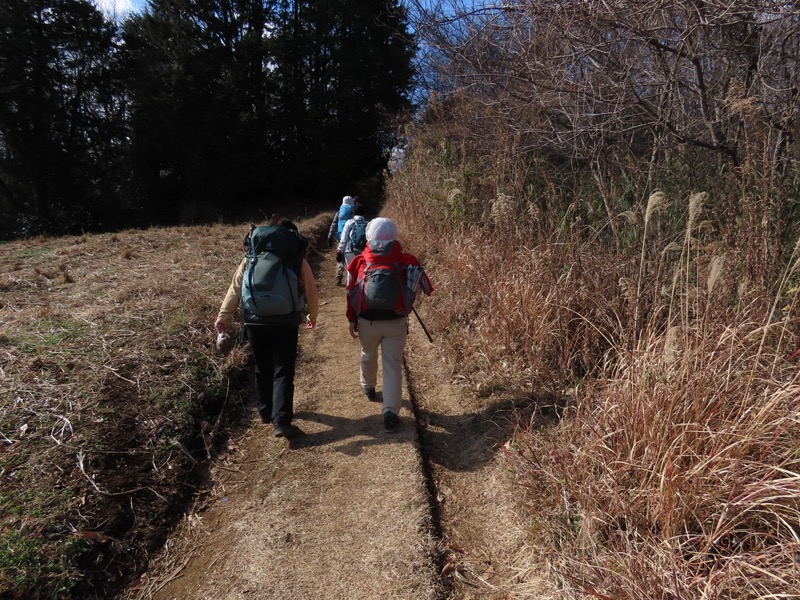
column 384, row 287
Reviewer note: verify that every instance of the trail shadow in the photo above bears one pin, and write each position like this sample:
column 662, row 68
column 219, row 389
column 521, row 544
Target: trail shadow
column 467, row 442
column 357, row 434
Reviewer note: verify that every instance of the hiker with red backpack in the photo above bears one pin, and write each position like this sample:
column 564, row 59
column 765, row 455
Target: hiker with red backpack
column 380, row 295
column 274, row 289
column 354, row 237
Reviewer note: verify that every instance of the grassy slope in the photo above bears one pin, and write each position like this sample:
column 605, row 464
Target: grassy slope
column 112, row 398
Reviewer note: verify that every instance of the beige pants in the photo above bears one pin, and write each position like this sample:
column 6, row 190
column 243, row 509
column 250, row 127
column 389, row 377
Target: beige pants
column 390, row 337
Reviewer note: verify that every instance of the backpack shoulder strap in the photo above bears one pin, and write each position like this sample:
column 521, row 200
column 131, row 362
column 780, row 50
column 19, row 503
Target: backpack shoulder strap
column 359, row 287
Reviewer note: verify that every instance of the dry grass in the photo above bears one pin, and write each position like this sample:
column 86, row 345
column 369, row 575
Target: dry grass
column 675, row 473
column 112, row 398
column 519, row 310
column 680, row 475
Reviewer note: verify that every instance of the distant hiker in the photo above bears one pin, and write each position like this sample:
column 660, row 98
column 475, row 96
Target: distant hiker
column 354, row 237
column 341, row 217
column 343, row 213
column 275, row 291
column 380, row 296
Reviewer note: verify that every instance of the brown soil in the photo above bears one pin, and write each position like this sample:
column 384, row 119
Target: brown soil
column 350, row 511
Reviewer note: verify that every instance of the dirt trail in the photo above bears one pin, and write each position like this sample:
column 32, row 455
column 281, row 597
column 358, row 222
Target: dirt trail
column 348, row 510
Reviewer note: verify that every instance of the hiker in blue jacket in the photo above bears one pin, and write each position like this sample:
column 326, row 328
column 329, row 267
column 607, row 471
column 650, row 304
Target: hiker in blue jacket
column 343, row 213
column 353, row 238
column 341, row 217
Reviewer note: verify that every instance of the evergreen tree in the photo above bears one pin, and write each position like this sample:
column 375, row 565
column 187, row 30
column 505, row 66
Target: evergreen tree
column 207, row 108
column 239, row 102
column 60, row 135
column 195, row 71
column 344, row 72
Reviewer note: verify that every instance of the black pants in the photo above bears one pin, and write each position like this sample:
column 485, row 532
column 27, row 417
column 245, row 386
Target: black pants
column 275, row 353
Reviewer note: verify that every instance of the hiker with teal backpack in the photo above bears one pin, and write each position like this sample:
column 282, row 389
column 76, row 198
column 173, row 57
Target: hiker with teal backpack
column 380, row 295
column 354, row 237
column 341, row 217
column 275, row 292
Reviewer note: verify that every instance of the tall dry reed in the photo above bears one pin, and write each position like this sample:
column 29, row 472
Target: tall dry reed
column 676, row 472
column 514, row 309
column 678, row 475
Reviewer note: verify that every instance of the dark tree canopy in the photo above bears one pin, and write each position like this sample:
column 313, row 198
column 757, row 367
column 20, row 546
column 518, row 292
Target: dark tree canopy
column 194, row 109
column 59, row 111
column 343, row 69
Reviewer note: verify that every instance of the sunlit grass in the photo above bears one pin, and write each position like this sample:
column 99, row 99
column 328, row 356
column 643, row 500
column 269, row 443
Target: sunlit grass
column 675, row 471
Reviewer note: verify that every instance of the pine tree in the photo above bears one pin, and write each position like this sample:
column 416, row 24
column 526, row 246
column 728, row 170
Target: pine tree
column 344, row 72
column 239, row 101
column 59, row 118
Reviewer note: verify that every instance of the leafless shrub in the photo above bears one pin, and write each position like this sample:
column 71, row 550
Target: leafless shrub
column 677, row 471
column 650, row 152
column 633, row 95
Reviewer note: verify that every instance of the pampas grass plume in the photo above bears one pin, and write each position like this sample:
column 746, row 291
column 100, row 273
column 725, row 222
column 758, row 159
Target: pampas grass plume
column 656, row 201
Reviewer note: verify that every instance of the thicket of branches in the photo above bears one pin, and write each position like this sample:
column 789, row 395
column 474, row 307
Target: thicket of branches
column 616, row 184
column 194, row 110
column 617, row 99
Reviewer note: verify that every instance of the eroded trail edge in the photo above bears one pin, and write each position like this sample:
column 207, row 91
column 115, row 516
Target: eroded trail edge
column 441, row 556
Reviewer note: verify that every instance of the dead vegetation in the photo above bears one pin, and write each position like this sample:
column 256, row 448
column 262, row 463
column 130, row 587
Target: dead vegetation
column 112, row 400
column 673, row 468
column 608, row 191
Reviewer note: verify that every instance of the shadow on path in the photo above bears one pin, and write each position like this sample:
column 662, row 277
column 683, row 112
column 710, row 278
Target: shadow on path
column 358, row 434
column 467, row 442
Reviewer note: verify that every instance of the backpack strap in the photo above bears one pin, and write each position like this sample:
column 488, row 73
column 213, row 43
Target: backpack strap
column 359, row 287
column 401, row 286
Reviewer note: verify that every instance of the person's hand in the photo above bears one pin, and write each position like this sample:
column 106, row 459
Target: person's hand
column 220, row 327
column 339, row 257
column 354, row 329
column 309, row 323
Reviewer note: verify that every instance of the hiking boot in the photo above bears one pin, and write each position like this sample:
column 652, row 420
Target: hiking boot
column 286, row 431
column 390, row 420
column 369, row 392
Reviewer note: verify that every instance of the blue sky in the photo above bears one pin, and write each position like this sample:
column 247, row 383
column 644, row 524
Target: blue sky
column 119, row 7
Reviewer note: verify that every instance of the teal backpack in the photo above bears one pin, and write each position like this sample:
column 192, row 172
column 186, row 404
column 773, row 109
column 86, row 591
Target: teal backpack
column 271, row 292
column 358, row 236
